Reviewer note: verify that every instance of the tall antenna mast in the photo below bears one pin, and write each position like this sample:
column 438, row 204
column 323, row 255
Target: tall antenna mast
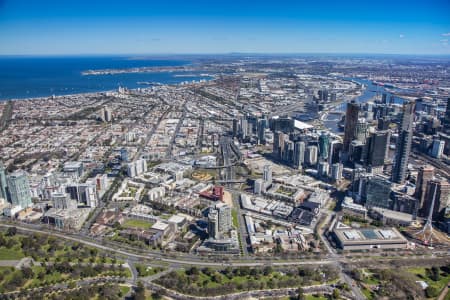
column 427, row 229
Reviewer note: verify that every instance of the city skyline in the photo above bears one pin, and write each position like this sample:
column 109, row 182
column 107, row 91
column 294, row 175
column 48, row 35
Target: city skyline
column 199, row 150
column 139, row 27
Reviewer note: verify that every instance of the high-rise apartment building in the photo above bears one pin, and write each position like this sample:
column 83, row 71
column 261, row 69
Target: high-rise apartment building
column 437, row 148
column 324, row 145
column 299, row 154
column 225, row 220
column 213, row 223
column 351, row 118
column 219, row 220
column 426, row 173
column 441, row 190
column 377, row 148
column 446, row 122
column 361, row 130
column 19, row 189
column 3, row 183
column 378, row 190
column 403, row 149
column 311, row 155
column 262, row 131
column 267, row 174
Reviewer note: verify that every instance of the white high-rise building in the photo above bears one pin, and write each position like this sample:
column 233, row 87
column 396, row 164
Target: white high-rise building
column 225, row 221
column 156, row 193
column 259, row 186
column 299, row 154
column 131, row 170
column 91, row 193
column 336, row 171
column 437, row 148
column 267, row 176
column 311, row 155
column 137, row 168
column 323, row 169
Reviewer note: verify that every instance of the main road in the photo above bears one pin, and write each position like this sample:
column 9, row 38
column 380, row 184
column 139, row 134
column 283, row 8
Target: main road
column 177, row 261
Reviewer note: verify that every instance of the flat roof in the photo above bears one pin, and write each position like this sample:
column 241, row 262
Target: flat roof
column 176, row 219
column 160, row 226
column 392, row 214
column 351, row 236
column 302, row 125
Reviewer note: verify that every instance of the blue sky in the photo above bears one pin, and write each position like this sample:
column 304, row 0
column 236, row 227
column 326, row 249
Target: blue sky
column 140, row 27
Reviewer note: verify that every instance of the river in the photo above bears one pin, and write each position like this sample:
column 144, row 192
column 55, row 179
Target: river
column 370, row 92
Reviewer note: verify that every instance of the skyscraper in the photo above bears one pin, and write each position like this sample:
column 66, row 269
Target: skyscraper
column 446, row 122
column 383, row 123
column 403, row 149
column 361, row 130
column 261, row 131
column 224, row 217
column 235, row 127
column 288, row 151
column 108, row 114
column 323, row 168
column 258, row 186
column 19, row 189
column 311, row 155
column 124, row 154
column 299, row 154
column 278, row 144
column 378, row 192
column 442, row 200
column 335, row 152
column 267, row 174
column 437, row 148
column 336, row 172
column 283, row 124
column 351, row 118
column 3, row 183
column 426, row 173
column 244, row 128
column 213, row 223
column 324, row 145
column 377, row 148
column 323, row 95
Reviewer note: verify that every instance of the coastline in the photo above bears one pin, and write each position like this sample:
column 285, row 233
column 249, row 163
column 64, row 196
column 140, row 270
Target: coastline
column 114, row 71
column 42, row 77
column 140, row 85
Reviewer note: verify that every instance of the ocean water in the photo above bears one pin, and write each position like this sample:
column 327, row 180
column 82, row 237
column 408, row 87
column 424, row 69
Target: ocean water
column 28, row 77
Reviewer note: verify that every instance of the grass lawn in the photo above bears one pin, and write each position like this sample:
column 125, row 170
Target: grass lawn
column 52, row 277
column 367, row 293
column 144, row 270
column 417, row 271
column 422, row 275
column 133, row 223
column 313, row 297
column 10, row 254
column 370, row 279
column 124, row 289
column 207, row 281
column 235, row 218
